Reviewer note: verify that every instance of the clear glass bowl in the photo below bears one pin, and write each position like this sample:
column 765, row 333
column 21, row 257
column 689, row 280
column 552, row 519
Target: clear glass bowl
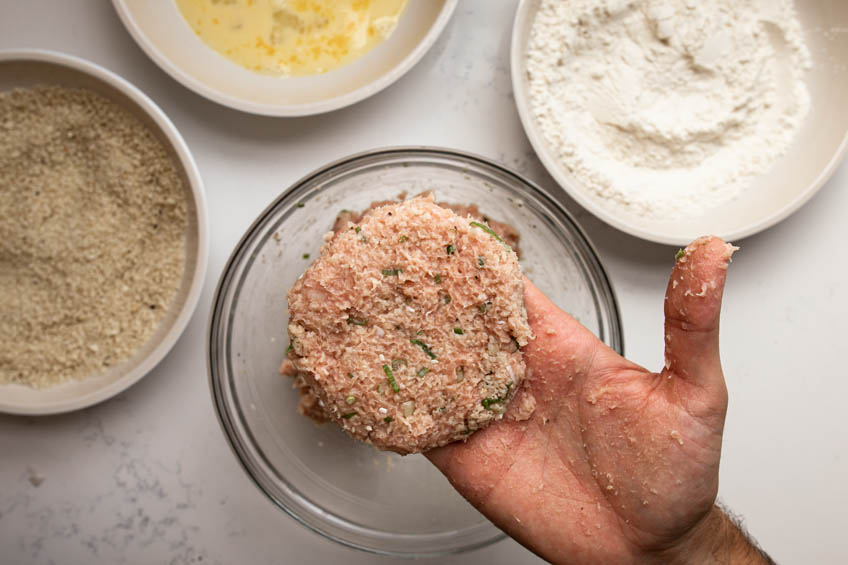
column 345, row 490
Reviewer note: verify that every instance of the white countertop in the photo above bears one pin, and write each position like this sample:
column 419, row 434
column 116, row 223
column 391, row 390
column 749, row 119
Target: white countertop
column 148, row 476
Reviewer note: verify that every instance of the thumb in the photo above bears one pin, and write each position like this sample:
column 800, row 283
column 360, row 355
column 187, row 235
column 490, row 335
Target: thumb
column 692, row 307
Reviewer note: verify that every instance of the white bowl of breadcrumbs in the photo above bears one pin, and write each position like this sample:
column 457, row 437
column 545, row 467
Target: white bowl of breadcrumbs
column 103, row 233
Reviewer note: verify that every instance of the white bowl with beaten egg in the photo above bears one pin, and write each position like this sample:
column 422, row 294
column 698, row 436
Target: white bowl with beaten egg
column 26, row 68
column 161, row 30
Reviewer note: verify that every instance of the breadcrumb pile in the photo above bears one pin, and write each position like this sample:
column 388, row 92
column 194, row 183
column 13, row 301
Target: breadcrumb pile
column 92, row 234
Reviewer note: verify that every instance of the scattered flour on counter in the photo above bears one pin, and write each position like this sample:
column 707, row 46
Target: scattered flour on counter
column 667, row 108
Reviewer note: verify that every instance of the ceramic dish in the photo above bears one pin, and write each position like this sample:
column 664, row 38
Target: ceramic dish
column 794, row 179
column 159, row 28
column 345, row 490
column 32, row 67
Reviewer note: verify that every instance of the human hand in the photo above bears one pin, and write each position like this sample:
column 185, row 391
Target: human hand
column 616, row 464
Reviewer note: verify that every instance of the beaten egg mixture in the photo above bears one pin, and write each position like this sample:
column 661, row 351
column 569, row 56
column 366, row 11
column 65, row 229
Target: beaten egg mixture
column 292, row 37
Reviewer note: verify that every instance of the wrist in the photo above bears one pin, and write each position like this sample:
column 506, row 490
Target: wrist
column 716, row 539
column 704, row 543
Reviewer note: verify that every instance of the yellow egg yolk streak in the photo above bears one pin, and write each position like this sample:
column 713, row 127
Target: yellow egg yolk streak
column 292, row 37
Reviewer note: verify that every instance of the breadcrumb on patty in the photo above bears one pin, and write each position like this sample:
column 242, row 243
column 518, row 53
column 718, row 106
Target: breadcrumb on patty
column 408, row 326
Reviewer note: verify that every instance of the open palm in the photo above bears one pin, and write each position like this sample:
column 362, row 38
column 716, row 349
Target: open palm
column 616, row 463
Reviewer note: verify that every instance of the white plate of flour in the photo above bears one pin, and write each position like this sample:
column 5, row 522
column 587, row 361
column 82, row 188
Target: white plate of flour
column 671, row 119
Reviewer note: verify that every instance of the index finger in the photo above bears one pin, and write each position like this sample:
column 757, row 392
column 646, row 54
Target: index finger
column 562, row 349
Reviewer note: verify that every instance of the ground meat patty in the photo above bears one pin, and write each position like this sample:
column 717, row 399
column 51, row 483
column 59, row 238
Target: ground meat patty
column 309, row 404
column 508, row 233
column 407, row 327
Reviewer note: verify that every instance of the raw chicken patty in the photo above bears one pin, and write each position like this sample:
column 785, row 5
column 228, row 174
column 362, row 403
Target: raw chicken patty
column 408, row 326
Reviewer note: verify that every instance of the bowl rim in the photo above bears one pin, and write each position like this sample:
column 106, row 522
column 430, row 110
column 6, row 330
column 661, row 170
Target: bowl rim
column 226, row 417
column 284, row 110
column 195, row 182
column 575, row 191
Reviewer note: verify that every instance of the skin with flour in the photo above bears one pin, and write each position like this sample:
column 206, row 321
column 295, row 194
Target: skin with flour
column 617, row 464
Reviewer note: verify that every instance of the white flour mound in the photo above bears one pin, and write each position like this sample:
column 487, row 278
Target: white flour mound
column 667, row 108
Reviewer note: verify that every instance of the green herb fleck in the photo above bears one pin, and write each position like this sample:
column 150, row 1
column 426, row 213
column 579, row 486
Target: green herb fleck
column 680, row 253
column 357, row 229
column 487, row 229
column 290, row 349
column 450, row 249
column 344, row 211
column 351, row 376
column 350, row 399
column 349, row 415
column 398, row 363
column 481, row 261
column 403, row 238
column 419, row 332
column 491, row 232
column 447, row 299
column 422, row 371
column 391, row 377
column 300, row 204
column 392, row 272
column 483, row 307
column 437, row 279
column 424, row 347
column 458, row 331
column 487, row 402
column 306, row 255
column 388, row 419
column 357, row 321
